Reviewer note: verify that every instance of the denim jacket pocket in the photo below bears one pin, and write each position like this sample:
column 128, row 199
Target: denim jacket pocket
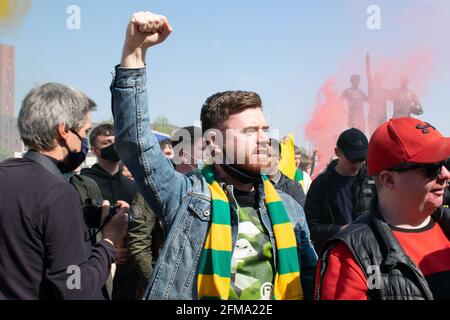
column 200, row 206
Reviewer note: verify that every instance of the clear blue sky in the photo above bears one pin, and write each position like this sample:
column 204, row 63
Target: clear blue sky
column 284, row 50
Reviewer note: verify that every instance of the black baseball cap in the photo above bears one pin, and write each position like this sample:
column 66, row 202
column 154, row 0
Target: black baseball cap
column 354, row 144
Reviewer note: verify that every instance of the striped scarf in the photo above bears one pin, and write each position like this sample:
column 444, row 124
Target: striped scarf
column 299, row 178
column 215, row 261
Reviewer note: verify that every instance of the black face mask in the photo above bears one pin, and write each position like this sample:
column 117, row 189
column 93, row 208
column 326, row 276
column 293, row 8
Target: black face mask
column 240, row 175
column 75, row 159
column 109, row 153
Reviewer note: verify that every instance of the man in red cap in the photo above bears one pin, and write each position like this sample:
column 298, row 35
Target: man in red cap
column 401, row 248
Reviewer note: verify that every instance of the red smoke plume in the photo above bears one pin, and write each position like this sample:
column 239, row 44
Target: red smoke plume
column 330, row 116
column 328, row 121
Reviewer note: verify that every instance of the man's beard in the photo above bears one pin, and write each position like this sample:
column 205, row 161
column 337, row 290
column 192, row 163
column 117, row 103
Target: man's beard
column 252, row 166
column 249, row 163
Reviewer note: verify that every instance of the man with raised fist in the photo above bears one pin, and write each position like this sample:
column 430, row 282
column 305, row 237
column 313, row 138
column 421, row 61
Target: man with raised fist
column 230, row 234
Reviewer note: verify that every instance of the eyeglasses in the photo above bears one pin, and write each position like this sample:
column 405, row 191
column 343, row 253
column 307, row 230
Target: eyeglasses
column 433, row 170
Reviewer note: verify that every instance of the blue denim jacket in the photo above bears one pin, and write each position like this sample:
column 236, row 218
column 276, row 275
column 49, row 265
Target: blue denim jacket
column 182, row 202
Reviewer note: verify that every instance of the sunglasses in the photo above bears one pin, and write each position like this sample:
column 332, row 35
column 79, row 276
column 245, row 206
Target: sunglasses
column 433, row 170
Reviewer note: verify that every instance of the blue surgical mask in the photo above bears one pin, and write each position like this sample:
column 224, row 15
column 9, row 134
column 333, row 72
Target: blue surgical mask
column 199, row 162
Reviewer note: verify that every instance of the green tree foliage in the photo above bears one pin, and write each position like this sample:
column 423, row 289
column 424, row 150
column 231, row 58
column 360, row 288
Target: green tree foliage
column 161, row 124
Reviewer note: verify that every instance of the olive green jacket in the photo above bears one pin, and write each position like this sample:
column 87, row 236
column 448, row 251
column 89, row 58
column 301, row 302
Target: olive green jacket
column 145, row 237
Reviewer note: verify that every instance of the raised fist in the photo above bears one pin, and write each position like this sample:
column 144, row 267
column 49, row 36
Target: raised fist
column 145, row 30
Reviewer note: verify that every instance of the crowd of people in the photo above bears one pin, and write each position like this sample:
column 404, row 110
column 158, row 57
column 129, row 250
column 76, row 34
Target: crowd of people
column 210, row 213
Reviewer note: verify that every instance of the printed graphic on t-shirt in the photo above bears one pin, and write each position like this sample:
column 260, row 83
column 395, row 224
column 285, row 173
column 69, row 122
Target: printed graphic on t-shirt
column 252, row 270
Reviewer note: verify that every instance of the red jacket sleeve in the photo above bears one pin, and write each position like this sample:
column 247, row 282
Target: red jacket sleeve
column 342, row 279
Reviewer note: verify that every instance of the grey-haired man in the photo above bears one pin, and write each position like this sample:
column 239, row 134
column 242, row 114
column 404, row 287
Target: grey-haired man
column 41, row 245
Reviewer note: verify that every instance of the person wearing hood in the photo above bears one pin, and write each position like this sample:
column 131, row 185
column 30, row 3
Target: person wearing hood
column 106, row 172
column 341, row 193
column 114, row 186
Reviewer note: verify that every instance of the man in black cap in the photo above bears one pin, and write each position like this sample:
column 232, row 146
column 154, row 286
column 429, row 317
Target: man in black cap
column 341, row 193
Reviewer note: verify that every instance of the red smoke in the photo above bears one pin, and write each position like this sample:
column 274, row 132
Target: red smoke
column 417, row 66
column 328, row 121
column 330, row 114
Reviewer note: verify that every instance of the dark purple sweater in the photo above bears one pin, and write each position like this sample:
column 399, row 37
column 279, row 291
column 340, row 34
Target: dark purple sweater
column 41, row 237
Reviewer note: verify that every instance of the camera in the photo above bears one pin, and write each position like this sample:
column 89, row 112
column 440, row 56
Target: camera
column 92, row 213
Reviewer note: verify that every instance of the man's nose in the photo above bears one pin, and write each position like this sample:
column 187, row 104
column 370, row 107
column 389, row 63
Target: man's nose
column 445, row 174
column 263, row 137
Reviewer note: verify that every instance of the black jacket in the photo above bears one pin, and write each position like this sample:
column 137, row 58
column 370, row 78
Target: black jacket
column 372, row 243
column 88, row 191
column 41, row 240
column 292, row 188
column 322, row 211
column 113, row 188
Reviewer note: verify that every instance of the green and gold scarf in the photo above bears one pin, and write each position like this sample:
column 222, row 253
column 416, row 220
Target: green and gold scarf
column 215, row 261
column 299, row 178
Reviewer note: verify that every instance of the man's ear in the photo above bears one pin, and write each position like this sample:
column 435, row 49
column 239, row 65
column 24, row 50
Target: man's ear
column 387, row 180
column 63, row 132
column 337, row 152
column 95, row 151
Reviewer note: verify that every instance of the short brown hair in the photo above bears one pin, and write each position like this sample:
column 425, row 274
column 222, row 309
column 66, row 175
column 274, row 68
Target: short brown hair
column 220, row 106
column 104, row 129
column 305, row 162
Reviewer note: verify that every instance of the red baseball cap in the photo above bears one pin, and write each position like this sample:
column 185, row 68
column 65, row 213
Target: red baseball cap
column 405, row 140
